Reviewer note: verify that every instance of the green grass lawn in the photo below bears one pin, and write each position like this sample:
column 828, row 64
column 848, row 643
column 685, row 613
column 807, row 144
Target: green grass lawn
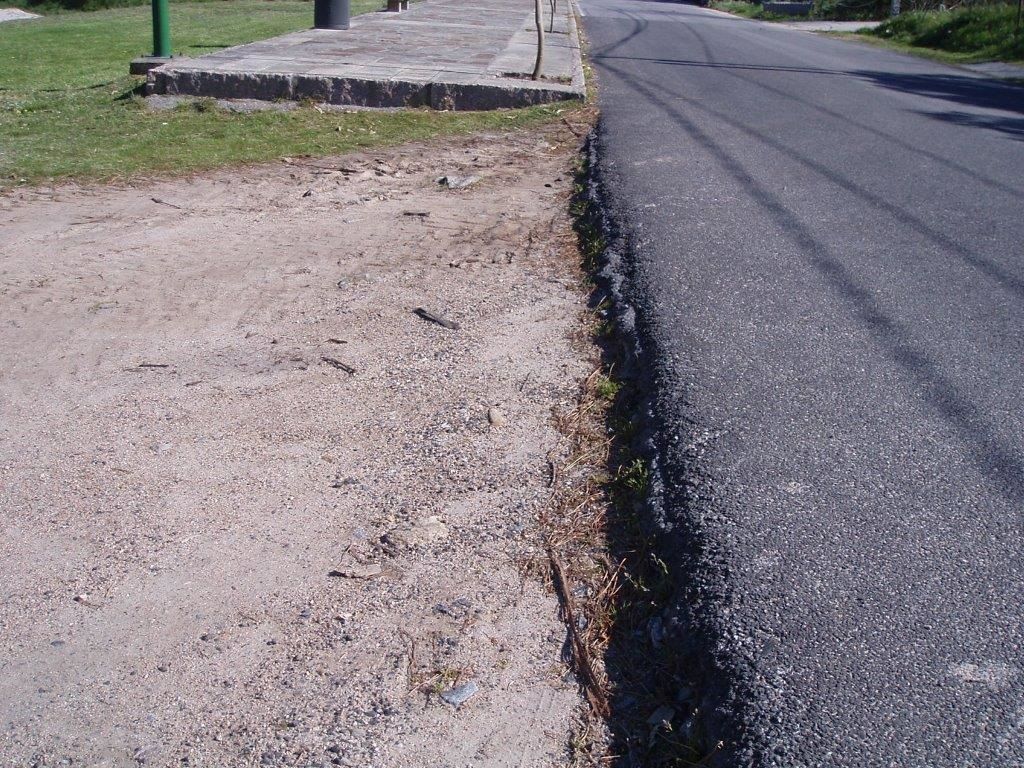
column 963, row 35
column 68, row 109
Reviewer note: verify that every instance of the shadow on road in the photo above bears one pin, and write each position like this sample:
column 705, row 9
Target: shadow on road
column 991, row 456
column 978, row 92
column 722, row 65
column 970, row 91
column 1012, row 126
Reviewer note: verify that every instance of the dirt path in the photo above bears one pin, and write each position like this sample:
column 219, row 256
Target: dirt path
column 182, row 465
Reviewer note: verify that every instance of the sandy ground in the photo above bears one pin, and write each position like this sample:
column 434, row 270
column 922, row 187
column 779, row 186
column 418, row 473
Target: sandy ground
column 182, row 468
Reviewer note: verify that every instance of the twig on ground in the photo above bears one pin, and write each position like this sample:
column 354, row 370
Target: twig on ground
column 158, row 201
column 339, row 365
column 410, row 664
column 572, row 128
column 431, row 317
column 592, row 685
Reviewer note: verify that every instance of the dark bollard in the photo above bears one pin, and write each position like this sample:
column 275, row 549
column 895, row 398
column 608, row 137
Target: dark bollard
column 330, row 14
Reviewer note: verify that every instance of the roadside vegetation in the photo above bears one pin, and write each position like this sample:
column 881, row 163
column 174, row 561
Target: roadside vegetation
column 743, row 8
column 69, row 109
column 964, row 34
column 961, row 35
column 832, row 10
column 50, row 7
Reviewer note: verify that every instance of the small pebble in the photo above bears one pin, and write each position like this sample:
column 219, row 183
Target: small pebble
column 495, row 417
column 460, row 694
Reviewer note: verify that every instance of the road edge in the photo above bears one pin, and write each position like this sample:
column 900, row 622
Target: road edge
column 714, row 723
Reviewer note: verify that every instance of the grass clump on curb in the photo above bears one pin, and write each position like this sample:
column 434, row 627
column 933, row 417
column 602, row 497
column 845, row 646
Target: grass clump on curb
column 963, row 35
column 68, row 108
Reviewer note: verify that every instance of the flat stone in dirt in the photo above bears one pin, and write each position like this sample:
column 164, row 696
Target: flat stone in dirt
column 460, row 694
column 173, row 452
column 16, row 14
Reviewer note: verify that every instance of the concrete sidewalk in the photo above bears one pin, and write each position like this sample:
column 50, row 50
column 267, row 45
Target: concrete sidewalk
column 446, row 54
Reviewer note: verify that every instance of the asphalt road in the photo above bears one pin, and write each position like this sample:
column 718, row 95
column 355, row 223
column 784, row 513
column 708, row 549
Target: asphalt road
column 825, row 250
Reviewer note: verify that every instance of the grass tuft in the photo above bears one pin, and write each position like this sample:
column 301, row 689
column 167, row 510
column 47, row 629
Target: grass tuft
column 607, row 388
column 634, row 477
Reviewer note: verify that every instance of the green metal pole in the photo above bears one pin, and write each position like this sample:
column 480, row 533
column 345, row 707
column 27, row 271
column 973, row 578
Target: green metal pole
column 161, row 29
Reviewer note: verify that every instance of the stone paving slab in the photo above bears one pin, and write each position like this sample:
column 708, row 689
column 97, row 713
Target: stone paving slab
column 445, row 54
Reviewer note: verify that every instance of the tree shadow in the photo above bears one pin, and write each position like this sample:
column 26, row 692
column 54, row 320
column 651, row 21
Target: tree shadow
column 968, row 90
column 93, row 87
column 971, row 91
column 134, row 92
column 694, row 3
column 603, row 56
column 906, row 217
column 848, row 119
column 1011, row 126
column 993, row 458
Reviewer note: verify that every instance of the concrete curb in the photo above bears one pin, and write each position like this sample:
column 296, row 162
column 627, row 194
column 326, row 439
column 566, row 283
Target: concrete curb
column 365, row 92
column 579, row 80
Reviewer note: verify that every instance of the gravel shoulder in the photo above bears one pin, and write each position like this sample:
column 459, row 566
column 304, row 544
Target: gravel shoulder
column 222, row 547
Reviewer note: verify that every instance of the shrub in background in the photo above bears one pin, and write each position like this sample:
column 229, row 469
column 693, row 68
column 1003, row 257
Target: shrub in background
column 980, row 31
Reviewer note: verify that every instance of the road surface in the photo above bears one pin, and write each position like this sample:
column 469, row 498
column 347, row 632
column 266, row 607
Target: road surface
column 826, row 255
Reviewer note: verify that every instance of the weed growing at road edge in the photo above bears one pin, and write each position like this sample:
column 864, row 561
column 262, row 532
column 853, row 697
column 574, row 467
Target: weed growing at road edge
column 604, row 564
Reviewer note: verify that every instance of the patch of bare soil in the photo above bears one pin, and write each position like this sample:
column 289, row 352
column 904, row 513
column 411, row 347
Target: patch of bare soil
column 258, row 511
